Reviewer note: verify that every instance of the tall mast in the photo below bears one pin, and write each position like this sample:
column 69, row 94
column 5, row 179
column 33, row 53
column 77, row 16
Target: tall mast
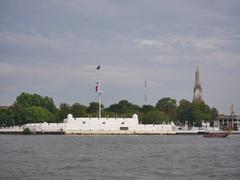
column 98, row 90
column 145, row 91
column 99, row 102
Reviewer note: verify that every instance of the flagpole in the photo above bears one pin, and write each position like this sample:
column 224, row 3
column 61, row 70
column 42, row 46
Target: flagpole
column 99, row 104
column 99, row 95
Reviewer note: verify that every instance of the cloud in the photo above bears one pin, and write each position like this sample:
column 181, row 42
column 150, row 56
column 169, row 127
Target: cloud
column 163, row 45
column 175, row 49
column 6, row 69
column 171, row 43
column 35, row 40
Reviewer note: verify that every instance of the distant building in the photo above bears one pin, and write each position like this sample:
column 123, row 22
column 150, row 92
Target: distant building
column 197, row 91
column 5, row 107
column 229, row 122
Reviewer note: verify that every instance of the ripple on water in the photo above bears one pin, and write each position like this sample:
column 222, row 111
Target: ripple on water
column 119, row 157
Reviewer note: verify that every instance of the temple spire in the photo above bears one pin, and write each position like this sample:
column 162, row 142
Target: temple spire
column 232, row 110
column 197, row 80
column 197, row 91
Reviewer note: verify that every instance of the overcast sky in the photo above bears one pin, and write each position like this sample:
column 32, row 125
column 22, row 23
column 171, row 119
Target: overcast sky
column 52, row 47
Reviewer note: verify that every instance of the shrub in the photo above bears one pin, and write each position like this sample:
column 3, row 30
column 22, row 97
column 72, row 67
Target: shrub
column 27, row 131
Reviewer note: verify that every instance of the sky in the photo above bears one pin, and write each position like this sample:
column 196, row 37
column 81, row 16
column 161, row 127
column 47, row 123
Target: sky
column 52, row 47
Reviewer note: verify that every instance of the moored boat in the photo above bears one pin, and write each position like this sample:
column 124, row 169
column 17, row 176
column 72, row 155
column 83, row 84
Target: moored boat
column 216, row 134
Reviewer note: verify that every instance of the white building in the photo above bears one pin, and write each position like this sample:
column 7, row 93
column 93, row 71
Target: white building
column 72, row 125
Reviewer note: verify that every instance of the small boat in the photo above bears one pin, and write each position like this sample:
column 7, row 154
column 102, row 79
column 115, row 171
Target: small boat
column 215, row 134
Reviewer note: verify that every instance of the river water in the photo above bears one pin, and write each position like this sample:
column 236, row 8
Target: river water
column 119, row 157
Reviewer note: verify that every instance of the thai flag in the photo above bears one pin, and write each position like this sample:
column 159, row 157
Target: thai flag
column 97, row 87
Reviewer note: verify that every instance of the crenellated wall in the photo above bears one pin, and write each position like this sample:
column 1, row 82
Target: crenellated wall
column 103, row 124
column 71, row 124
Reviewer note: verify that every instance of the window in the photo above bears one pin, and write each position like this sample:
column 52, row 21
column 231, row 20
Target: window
column 124, row 128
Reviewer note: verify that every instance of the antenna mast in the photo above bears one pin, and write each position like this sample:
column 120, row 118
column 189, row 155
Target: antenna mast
column 145, row 91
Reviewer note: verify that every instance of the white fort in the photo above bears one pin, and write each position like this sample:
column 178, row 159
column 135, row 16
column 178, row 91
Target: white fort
column 102, row 125
column 111, row 124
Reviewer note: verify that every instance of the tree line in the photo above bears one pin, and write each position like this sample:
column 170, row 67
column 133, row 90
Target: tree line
column 34, row 108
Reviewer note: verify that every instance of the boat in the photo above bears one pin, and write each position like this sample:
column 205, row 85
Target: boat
column 215, row 134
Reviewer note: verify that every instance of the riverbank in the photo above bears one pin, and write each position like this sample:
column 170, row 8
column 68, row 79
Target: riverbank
column 99, row 133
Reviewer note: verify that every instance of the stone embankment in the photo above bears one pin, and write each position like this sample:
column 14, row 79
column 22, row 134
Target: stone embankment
column 20, row 130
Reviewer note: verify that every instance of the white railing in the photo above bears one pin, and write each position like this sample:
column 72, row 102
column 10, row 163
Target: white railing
column 11, row 128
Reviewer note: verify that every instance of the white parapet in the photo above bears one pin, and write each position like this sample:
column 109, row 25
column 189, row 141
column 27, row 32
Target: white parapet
column 46, row 127
column 102, row 124
column 113, row 124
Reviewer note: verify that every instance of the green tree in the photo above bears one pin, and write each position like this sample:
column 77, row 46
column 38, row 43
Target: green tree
column 78, row 110
column 26, row 100
column 166, row 105
column 143, row 111
column 93, row 108
column 183, row 101
column 214, row 113
column 6, row 117
column 146, row 108
column 155, row 117
column 36, row 114
column 173, row 115
column 49, row 104
column 127, row 107
column 188, row 112
column 124, row 108
column 204, row 111
column 64, row 110
column 18, row 112
column 113, row 108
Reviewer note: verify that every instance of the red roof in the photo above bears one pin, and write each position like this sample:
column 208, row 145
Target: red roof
column 5, row 107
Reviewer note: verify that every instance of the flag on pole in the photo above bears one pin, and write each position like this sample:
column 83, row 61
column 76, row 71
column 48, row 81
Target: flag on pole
column 98, row 67
column 97, row 87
